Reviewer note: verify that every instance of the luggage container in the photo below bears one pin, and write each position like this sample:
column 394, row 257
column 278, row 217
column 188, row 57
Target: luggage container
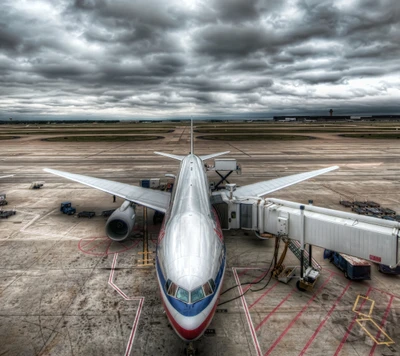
column 225, row 164
column 145, row 183
column 354, row 268
column 154, row 183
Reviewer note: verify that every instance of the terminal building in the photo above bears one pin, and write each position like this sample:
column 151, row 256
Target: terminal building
column 336, row 118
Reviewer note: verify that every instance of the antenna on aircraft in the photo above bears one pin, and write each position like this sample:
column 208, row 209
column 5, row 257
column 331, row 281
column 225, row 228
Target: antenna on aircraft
column 191, row 135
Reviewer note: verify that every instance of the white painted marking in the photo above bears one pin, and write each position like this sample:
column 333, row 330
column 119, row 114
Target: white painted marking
column 247, row 313
column 123, row 295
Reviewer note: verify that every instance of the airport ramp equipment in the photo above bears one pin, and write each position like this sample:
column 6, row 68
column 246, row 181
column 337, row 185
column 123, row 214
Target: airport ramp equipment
column 295, row 247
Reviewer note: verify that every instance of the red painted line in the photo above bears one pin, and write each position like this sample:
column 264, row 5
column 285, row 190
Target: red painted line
column 274, row 310
column 247, row 313
column 326, row 318
column 336, row 273
column 246, row 269
column 95, row 246
column 278, row 340
column 83, row 245
column 243, row 273
column 346, row 335
column 387, row 293
column 383, row 322
column 255, row 281
column 262, row 296
column 120, row 251
column 107, row 252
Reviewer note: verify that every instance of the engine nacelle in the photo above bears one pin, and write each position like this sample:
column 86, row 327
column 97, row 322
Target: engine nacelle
column 121, row 222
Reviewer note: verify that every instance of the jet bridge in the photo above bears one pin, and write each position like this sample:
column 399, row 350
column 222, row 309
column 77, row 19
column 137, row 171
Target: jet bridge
column 365, row 237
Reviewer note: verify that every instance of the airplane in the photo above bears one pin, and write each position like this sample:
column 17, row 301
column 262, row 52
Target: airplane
column 190, row 255
column 10, row 175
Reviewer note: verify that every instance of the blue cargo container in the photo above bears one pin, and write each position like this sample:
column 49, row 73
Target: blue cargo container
column 354, row 268
column 145, row 183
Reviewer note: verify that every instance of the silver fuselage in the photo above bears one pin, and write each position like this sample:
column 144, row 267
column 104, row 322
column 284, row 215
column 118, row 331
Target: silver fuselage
column 190, row 251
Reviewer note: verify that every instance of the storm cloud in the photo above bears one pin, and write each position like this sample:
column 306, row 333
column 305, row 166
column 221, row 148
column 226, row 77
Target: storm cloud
column 122, row 59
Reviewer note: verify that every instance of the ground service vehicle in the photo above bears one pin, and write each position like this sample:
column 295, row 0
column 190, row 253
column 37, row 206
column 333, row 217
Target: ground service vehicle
column 387, row 270
column 66, row 208
column 354, row 268
column 86, row 214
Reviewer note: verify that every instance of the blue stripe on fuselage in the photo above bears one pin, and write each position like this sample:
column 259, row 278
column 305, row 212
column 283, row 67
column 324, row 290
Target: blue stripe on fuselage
column 195, row 308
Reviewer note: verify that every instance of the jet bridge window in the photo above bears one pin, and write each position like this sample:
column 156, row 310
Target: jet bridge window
column 183, row 295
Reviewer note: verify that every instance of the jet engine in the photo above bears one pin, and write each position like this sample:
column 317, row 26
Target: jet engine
column 121, row 222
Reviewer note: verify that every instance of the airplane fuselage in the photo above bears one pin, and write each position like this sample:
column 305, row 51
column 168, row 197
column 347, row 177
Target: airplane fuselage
column 190, row 260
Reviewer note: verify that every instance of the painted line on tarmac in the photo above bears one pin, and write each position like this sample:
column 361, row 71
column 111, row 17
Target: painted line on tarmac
column 247, row 313
column 346, row 335
column 325, row 320
column 36, row 217
column 123, row 295
column 263, row 295
column 383, row 322
column 387, row 293
column 278, row 340
column 275, row 309
column 256, row 280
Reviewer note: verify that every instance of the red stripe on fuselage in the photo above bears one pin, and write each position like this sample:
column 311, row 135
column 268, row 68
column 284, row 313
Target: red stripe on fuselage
column 162, row 230
column 218, row 230
column 190, row 335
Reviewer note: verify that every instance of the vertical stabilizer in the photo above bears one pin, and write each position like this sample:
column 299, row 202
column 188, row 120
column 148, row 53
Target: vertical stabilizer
column 191, row 136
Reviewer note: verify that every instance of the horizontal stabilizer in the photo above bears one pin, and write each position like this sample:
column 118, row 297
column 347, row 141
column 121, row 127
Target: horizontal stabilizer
column 212, row 155
column 169, row 155
column 269, row 186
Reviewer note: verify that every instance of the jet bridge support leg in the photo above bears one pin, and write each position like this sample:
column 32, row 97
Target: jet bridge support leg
column 302, row 225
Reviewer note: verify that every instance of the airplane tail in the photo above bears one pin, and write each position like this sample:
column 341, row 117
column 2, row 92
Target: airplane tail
column 180, row 158
column 191, row 136
column 203, row 157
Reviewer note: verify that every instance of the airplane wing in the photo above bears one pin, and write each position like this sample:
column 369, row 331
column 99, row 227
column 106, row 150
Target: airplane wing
column 11, row 175
column 269, row 186
column 150, row 198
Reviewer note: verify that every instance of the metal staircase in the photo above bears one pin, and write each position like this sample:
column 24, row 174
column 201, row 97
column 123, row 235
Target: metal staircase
column 294, row 246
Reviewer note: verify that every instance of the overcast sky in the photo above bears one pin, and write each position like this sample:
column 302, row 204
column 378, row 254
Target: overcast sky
column 135, row 59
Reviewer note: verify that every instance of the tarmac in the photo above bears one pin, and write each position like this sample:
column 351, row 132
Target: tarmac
column 66, row 289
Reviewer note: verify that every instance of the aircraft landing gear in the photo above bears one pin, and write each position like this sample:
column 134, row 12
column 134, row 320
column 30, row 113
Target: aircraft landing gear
column 190, row 350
